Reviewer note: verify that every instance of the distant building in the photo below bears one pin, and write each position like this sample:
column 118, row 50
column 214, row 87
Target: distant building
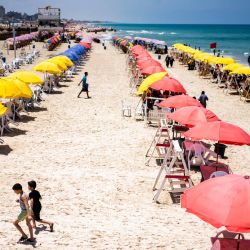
column 2, row 11
column 49, row 17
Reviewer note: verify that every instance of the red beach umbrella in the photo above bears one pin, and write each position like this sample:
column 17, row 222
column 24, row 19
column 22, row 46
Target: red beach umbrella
column 191, row 116
column 169, row 84
column 179, row 101
column 219, row 131
column 152, row 70
column 222, row 201
column 86, row 45
column 143, row 55
column 147, row 63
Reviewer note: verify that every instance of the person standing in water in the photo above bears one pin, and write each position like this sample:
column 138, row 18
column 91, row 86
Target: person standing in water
column 85, row 85
column 248, row 59
column 24, row 214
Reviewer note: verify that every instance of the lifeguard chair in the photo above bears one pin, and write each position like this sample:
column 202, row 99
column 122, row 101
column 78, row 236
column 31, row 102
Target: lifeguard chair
column 177, row 173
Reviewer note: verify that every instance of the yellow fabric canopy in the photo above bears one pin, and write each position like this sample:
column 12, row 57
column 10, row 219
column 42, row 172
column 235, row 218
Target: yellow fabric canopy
column 65, row 60
column 13, row 88
column 27, row 77
column 47, row 67
column 60, row 64
column 149, row 81
column 233, row 66
column 242, row 71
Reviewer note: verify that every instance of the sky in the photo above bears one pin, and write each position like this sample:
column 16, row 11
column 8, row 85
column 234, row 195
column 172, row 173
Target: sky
column 144, row 11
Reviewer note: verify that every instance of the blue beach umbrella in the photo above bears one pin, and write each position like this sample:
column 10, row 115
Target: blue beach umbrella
column 71, row 55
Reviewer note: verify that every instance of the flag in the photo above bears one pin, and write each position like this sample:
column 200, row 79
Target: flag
column 213, row 45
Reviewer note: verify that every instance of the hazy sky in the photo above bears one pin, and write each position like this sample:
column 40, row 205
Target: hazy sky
column 144, row 11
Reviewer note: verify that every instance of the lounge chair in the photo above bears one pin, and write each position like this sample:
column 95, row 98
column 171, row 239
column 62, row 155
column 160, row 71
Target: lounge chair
column 207, row 171
column 231, row 241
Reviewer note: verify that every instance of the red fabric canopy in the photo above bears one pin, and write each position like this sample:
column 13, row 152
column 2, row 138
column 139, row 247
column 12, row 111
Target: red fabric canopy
column 221, row 201
column 148, row 63
column 191, row 116
column 169, row 84
column 152, row 70
column 219, row 131
column 179, row 101
column 86, row 45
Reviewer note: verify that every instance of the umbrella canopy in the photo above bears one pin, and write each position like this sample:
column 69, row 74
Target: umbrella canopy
column 13, row 88
column 192, row 115
column 169, row 84
column 219, row 131
column 142, row 64
column 27, row 77
column 179, row 101
column 60, row 64
column 149, row 81
column 47, row 67
column 242, row 71
column 3, row 109
column 65, row 59
column 71, row 55
column 152, row 70
column 221, row 201
column 86, row 45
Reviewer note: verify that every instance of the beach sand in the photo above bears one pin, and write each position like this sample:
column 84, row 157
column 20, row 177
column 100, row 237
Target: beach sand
column 88, row 162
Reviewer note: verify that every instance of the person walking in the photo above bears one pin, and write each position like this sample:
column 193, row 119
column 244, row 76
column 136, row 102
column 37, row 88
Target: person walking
column 85, row 85
column 203, row 99
column 167, row 60
column 171, row 61
column 24, row 214
column 36, row 207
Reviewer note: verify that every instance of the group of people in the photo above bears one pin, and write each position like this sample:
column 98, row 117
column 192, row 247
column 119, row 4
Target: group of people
column 30, row 205
column 169, row 61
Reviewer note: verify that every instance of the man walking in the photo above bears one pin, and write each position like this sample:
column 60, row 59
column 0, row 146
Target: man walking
column 85, row 85
column 203, row 99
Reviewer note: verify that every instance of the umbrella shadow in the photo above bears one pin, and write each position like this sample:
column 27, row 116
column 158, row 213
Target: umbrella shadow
column 5, row 149
column 15, row 132
column 56, row 92
column 38, row 109
column 26, row 119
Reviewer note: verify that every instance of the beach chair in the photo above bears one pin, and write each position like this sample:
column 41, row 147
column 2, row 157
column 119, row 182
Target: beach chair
column 154, row 116
column 207, row 171
column 230, row 241
column 177, row 174
column 160, row 143
column 126, row 109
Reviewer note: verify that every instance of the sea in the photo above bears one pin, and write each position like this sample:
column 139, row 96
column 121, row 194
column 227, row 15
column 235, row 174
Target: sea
column 232, row 40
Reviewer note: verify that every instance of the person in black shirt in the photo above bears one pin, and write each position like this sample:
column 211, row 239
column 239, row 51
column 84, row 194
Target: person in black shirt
column 203, row 99
column 35, row 204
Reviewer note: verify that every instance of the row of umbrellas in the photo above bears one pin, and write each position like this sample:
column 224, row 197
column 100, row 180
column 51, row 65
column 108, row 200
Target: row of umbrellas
column 230, row 64
column 220, row 201
column 23, row 38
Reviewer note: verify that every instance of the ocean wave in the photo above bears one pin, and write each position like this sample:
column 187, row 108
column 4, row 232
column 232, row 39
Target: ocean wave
column 133, row 32
column 172, row 33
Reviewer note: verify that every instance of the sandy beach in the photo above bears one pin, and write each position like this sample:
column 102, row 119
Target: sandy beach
column 90, row 168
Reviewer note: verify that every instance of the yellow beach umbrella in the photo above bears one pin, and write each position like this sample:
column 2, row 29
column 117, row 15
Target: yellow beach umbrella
column 242, row 71
column 60, row 64
column 47, row 67
column 3, row 109
column 65, row 59
column 27, row 77
column 149, row 81
column 233, row 66
column 8, row 90
column 26, row 91
column 224, row 60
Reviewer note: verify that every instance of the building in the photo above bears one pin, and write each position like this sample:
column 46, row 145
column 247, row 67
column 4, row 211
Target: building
column 49, row 18
column 2, row 11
